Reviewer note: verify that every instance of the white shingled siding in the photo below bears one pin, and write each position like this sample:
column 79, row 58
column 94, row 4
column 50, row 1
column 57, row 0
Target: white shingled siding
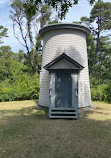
column 73, row 43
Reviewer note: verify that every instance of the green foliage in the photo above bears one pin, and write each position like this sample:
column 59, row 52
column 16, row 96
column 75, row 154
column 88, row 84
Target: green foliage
column 102, row 71
column 3, row 33
column 30, row 15
column 98, row 93
column 9, row 63
column 99, row 50
column 101, row 14
column 38, row 42
column 24, row 87
column 61, row 6
column 16, row 81
column 99, row 44
column 86, row 21
column 54, row 21
column 45, row 12
column 91, row 52
column 101, row 92
column 108, row 93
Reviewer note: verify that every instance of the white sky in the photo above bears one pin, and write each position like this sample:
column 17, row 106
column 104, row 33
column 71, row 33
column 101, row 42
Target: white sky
column 74, row 14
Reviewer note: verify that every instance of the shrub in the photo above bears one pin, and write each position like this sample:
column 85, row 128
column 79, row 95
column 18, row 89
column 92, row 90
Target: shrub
column 108, row 93
column 98, row 93
column 22, row 87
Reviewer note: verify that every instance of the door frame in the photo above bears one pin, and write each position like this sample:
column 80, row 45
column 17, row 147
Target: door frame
column 74, row 91
column 52, row 77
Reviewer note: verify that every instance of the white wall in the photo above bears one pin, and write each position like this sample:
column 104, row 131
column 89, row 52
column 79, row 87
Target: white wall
column 73, row 43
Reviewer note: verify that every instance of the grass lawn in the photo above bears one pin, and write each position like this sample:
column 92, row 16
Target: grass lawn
column 27, row 132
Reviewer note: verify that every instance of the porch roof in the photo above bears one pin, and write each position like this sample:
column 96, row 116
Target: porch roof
column 63, row 62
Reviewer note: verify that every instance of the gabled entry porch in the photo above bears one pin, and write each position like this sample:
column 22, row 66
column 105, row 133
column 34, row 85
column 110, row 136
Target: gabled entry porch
column 63, row 87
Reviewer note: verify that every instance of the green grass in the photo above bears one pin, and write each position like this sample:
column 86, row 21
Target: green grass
column 27, row 132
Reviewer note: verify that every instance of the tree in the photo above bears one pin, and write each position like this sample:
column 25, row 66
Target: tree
column 101, row 16
column 21, row 55
column 11, row 64
column 21, row 20
column 45, row 15
column 3, row 33
column 104, row 60
column 16, row 83
column 45, row 18
column 23, row 16
column 61, row 6
column 6, row 56
column 91, row 52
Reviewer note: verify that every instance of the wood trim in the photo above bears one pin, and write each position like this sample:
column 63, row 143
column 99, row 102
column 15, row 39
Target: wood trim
column 64, row 71
column 48, row 66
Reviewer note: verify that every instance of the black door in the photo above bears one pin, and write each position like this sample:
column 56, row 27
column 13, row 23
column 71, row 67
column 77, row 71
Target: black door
column 63, row 97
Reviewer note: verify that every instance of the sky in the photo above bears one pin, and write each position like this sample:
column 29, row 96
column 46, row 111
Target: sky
column 74, row 14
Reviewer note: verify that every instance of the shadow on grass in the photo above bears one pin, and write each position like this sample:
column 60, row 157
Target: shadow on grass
column 29, row 132
column 34, row 111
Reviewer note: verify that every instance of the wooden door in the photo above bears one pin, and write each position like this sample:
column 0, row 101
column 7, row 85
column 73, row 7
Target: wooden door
column 63, row 96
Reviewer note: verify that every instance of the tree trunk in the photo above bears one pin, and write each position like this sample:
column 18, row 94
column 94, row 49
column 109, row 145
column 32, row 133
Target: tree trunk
column 96, row 55
column 97, row 48
column 36, row 62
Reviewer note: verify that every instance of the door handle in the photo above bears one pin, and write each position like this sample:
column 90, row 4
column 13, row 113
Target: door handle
column 50, row 92
column 76, row 92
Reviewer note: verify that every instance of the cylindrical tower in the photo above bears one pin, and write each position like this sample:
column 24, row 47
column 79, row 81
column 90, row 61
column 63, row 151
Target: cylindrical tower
column 70, row 39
